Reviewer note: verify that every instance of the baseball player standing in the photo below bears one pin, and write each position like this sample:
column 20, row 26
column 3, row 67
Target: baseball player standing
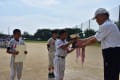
column 51, row 53
column 15, row 67
column 61, row 52
column 109, row 36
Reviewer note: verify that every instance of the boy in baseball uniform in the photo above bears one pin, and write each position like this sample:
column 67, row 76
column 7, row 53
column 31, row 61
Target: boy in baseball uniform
column 15, row 67
column 51, row 53
column 62, row 49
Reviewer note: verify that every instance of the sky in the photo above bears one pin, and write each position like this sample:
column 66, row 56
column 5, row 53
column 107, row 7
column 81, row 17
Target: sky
column 30, row 15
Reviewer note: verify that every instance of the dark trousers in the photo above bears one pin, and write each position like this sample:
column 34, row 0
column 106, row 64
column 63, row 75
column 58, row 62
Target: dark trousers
column 111, row 57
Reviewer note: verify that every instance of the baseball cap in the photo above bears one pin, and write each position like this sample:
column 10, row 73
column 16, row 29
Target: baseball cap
column 100, row 11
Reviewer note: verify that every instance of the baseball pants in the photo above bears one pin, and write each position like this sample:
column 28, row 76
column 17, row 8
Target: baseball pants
column 59, row 65
column 51, row 59
column 16, row 68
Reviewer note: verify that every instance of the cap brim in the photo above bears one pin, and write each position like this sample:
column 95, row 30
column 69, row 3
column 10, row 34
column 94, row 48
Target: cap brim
column 93, row 18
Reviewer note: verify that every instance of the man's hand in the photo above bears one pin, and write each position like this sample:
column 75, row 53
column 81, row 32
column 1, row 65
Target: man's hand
column 81, row 43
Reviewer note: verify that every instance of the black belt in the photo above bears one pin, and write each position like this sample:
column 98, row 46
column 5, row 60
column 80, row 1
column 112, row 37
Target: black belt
column 62, row 57
column 111, row 48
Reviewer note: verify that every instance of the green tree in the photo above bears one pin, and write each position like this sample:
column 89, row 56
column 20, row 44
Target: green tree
column 1, row 34
column 74, row 31
column 89, row 32
column 27, row 36
column 45, row 34
column 42, row 34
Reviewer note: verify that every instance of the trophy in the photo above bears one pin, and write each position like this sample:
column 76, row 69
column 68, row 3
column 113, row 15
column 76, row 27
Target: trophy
column 74, row 37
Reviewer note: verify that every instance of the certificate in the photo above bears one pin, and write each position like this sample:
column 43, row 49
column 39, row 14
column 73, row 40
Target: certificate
column 21, row 55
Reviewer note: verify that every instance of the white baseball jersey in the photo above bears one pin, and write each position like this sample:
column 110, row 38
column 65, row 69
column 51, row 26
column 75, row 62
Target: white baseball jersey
column 60, row 51
column 16, row 68
column 59, row 63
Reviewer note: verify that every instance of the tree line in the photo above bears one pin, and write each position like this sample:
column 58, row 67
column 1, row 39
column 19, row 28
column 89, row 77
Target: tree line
column 45, row 34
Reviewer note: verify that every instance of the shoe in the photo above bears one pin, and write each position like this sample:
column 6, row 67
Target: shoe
column 49, row 75
column 52, row 75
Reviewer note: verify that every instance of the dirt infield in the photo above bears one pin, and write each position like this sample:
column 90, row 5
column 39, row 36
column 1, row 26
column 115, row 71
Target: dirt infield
column 35, row 66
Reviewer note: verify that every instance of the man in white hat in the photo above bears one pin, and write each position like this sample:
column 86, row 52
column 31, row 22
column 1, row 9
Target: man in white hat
column 109, row 36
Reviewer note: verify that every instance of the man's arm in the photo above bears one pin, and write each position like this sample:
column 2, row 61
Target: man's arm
column 88, row 41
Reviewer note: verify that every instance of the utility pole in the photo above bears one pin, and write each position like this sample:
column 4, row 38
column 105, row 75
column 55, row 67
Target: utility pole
column 89, row 25
column 81, row 26
column 119, row 16
column 8, row 30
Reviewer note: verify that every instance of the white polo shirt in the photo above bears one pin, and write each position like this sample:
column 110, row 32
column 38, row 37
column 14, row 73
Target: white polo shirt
column 59, row 50
column 108, row 34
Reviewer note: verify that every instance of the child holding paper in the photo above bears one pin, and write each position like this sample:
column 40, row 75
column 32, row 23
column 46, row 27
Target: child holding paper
column 15, row 67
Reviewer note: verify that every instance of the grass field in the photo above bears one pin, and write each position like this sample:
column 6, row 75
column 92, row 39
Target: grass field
column 35, row 41
column 35, row 66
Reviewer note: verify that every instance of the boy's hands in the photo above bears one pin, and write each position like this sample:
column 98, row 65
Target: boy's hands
column 48, row 46
column 16, row 53
column 25, row 52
